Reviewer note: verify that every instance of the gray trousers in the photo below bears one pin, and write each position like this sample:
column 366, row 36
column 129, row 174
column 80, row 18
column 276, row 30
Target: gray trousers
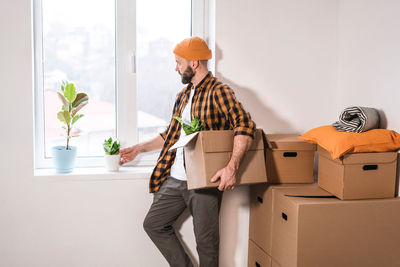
column 170, row 202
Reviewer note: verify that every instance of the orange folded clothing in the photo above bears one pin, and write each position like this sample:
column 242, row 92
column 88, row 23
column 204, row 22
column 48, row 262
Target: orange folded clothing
column 338, row 143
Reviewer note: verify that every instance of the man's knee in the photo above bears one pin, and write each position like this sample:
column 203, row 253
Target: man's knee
column 211, row 243
column 148, row 225
column 151, row 225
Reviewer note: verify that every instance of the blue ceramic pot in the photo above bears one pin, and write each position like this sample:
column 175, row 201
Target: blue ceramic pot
column 63, row 159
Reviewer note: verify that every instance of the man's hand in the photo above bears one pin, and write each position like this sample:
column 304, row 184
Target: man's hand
column 227, row 176
column 241, row 143
column 128, row 154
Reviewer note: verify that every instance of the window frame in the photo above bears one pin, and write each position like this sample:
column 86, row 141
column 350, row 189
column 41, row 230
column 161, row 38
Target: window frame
column 125, row 81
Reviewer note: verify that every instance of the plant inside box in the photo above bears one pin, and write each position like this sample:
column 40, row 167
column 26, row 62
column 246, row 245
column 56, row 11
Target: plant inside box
column 72, row 102
column 112, row 157
column 194, row 126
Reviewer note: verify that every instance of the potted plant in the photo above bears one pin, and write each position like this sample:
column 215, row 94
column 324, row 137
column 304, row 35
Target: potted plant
column 112, row 157
column 64, row 156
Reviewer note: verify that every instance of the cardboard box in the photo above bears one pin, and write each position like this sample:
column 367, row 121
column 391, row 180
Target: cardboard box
column 261, row 209
column 207, row 152
column 275, row 264
column 258, row 257
column 358, row 175
column 313, row 231
column 289, row 159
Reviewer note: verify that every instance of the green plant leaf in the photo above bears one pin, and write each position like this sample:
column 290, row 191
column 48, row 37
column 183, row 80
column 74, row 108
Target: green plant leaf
column 115, row 148
column 74, row 111
column 178, row 119
column 60, row 116
column 63, row 100
column 63, row 84
column 106, row 149
column 80, row 99
column 70, row 92
column 67, row 117
column 188, row 130
column 108, row 142
column 192, row 128
column 111, row 147
column 194, row 123
column 77, row 117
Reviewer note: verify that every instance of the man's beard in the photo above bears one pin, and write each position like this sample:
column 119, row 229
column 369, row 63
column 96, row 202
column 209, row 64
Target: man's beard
column 187, row 75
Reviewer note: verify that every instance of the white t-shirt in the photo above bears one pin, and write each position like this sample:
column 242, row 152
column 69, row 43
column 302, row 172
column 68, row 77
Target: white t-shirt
column 178, row 168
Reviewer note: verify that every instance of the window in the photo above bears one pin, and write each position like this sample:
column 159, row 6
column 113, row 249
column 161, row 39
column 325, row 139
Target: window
column 119, row 52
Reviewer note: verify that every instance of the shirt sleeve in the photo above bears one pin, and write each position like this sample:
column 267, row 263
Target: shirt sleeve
column 164, row 134
column 232, row 109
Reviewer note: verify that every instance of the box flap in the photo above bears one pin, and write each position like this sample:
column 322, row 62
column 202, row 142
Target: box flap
column 222, row 141
column 288, row 142
column 183, row 140
column 307, row 191
column 361, row 158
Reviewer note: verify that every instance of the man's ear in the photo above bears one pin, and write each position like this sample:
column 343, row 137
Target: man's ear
column 195, row 64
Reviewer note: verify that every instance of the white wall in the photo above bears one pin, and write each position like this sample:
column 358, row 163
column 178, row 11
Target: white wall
column 294, row 65
column 281, row 58
column 369, row 65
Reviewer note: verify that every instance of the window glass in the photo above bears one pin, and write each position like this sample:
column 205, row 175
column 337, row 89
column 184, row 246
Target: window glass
column 79, row 46
column 160, row 25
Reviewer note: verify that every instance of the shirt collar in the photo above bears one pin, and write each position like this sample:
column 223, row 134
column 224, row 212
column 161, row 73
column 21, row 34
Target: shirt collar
column 201, row 84
column 205, row 80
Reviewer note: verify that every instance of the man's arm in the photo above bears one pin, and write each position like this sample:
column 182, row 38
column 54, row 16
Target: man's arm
column 241, row 144
column 130, row 153
column 244, row 130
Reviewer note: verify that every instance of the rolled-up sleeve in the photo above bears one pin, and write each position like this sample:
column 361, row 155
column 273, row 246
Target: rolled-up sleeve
column 164, row 133
column 233, row 110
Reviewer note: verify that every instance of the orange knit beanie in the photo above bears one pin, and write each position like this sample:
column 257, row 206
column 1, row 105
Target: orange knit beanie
column 193, row 48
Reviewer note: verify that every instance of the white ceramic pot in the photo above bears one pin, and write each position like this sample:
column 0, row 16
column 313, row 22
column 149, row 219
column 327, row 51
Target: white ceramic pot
column 112, row 162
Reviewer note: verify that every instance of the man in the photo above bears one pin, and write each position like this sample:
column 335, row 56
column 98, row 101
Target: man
column 214, row 103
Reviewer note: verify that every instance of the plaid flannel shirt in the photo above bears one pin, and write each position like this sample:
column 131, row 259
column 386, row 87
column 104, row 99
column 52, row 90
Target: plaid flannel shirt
column 215, row 104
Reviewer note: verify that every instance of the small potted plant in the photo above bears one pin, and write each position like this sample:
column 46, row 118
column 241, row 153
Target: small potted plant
column 64, row 156
column 112, row 157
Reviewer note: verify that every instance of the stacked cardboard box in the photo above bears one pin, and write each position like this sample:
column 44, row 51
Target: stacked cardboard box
column 305, row 225
column 358, row 175
column 294, row 222
column 290, row 164
column 289, row 159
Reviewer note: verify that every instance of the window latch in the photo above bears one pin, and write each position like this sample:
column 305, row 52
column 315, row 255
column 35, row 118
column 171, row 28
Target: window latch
column 132, row 62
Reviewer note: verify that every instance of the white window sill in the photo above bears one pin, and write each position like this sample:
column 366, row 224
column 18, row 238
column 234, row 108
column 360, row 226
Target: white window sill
column 98, row 173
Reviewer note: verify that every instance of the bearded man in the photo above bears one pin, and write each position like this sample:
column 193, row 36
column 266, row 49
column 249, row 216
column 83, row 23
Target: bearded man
column 215, row 105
